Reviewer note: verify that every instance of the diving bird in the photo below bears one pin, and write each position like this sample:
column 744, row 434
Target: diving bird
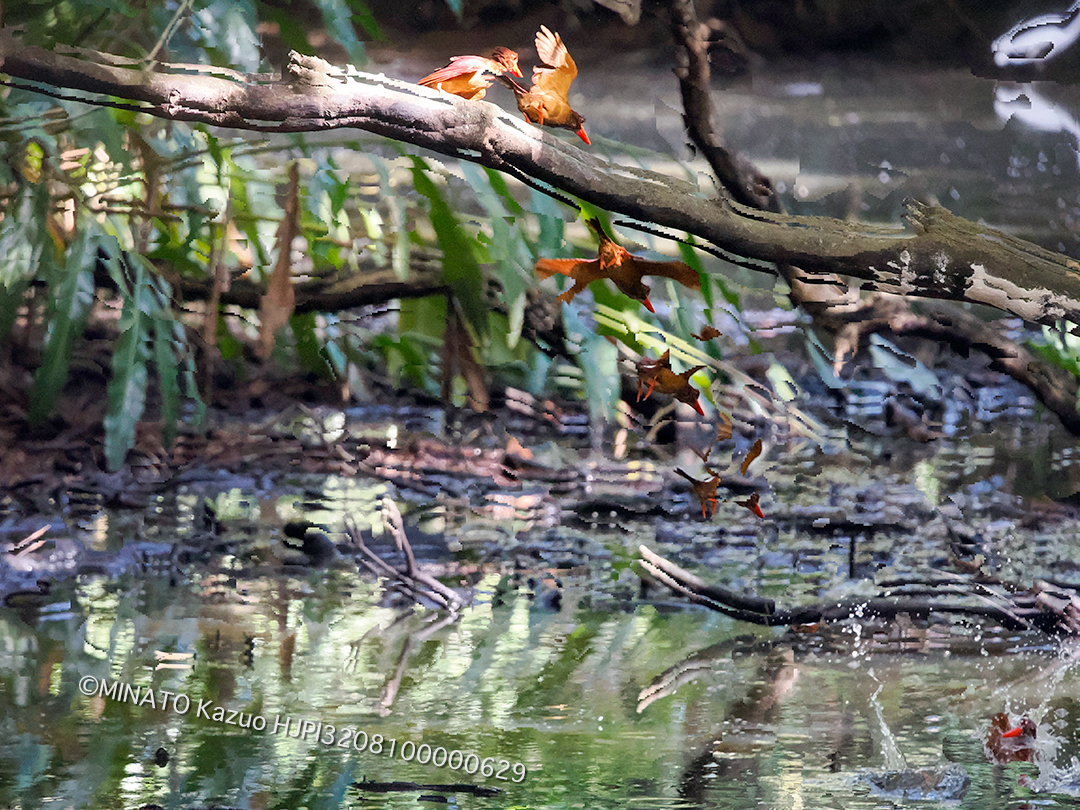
column 547, row 102
column 705, row 491
column 658, row 376
column 616, row 263
column 471, row 76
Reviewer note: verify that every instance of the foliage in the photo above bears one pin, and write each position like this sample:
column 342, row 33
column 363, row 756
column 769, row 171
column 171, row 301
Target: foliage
column 223, row 32
column 1060, row 348
column 107, row 208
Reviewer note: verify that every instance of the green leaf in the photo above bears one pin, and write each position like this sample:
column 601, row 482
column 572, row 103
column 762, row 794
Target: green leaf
column 127, row 388
column 509, row 248
column 460, row 268
column 823, row 362
column 552, row 225
column 693, row 258
column 293, row 34
column 25, row 246
column 337, row 17
column 365, row 19
column 72, row 296
column 516, row 320
column 598, row 359
column 308, row 347
column 900, row 366
column 497, row 180
column 168, row 379
column 1061, row 349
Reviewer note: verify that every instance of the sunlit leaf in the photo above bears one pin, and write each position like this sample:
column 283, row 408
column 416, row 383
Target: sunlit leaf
column 516, row 320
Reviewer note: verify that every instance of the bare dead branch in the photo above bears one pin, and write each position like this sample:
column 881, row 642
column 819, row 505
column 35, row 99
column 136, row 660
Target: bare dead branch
column 412, row 581
column 1046, row 607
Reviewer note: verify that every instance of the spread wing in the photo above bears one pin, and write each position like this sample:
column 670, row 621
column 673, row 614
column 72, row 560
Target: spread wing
column 558, row 70
column 754, row 452
column 464, row 66
column 582, row 272
column 677, row 271
column 587, row 271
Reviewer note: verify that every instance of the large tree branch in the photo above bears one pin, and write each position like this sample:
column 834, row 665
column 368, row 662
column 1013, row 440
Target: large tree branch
column 833, row 307
column 939, row 255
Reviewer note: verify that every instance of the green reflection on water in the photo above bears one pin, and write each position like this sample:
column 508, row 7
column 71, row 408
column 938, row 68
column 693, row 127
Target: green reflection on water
column 557, row 692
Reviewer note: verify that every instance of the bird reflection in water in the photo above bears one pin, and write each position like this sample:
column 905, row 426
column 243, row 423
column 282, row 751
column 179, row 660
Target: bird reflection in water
column 1037, row 40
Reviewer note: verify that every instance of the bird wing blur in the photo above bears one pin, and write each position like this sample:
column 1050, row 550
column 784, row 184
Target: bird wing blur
column 648, row 372
column 658, row 376
column 554, row 77
column 752, row 503
column 677, row 271
column 705, row 491
column 471, row 76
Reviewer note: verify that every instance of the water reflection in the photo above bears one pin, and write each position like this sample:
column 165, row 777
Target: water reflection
column 1026, row 104
column 773, row 720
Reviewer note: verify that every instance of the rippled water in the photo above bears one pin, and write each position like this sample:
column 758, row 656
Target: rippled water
column 554, row 694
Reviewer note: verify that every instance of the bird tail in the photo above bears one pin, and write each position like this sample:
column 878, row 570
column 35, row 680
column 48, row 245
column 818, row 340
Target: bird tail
column 597, row 226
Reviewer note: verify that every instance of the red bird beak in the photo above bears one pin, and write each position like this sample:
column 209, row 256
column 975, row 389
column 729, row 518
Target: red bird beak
column 581, row 134
column 648, row 304
column 697, row 407
column 517, row 71
column 1013, row 732
column 757, row 511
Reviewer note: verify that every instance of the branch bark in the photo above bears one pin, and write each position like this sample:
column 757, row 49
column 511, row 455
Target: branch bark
column 938, row 255
column 1046, row 607
column 834, row 307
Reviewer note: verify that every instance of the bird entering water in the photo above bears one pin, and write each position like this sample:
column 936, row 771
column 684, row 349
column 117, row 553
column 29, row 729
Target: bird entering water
column 1004, row 744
